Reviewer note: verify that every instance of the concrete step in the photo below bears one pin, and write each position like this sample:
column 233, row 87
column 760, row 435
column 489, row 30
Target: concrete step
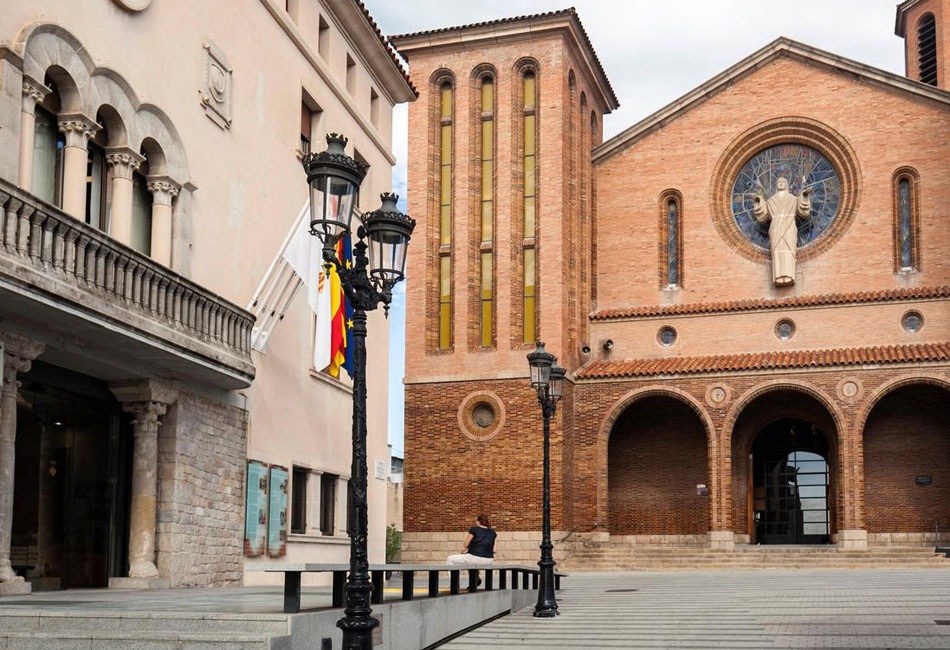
column 151, row 640
column 109, row 630
column 53, row 621
column 619, row 556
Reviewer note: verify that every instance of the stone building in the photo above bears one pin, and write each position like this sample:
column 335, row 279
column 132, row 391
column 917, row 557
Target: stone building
column 149, row 176
column 751, row 360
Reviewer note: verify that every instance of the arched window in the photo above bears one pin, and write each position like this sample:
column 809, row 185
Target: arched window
column 671, row 239
column 927, row 49
column 906, row 220
column 141, row 211
column 487, row 204
column 529, row 205
column 48, row 145
column 446, row 104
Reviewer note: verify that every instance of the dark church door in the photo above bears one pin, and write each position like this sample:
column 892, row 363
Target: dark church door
column 790, row 484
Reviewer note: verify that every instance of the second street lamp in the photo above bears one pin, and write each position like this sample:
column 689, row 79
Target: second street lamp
column 547, row 378
column 334, row 180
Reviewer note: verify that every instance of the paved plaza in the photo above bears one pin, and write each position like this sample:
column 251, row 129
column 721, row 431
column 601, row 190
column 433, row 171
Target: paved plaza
column 893, row 609
column 826, row 608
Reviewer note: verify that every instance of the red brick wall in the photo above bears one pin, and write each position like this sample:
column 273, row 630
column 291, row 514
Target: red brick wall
column 907, row 435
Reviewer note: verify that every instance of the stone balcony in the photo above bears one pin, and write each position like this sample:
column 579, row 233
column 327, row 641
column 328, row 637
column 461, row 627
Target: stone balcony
column 104, row 309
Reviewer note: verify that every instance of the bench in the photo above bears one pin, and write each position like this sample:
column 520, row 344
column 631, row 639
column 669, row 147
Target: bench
column 519, row 576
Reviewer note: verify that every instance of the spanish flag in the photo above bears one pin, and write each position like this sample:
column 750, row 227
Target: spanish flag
column 340, row 311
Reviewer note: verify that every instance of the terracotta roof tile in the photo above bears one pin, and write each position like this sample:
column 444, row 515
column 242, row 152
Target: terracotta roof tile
column 787, row 360
column 571, row 12
column 393, row 54
column 888, row 295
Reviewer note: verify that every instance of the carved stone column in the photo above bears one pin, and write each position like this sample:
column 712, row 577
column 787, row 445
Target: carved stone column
column 33, row 93
column 123, row 163
column 163, row 190
column 78, row 129
column 147, row 401
column 17, row 354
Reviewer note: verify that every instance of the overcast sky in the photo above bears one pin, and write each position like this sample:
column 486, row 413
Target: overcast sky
column 653, row 53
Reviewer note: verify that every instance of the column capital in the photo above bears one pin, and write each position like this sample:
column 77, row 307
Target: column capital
column 18, row 355
column 123, row 162
column 163, row 189
column 33, row 93
column 77, row 128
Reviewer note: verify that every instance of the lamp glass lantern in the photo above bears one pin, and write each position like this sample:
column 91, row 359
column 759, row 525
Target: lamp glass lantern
column 541, row 361
column 388, row 231
column 334, row 180
column 556, row 383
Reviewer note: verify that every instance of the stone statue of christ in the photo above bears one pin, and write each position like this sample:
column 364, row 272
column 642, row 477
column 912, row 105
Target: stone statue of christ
column 782, row 209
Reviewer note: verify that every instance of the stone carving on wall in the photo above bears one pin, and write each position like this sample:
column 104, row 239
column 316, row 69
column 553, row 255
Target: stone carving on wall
column 781, row 210
column 216, row 94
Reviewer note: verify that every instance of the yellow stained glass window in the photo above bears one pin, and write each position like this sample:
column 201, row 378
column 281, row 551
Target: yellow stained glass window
column 530, row 298
column 487, row 311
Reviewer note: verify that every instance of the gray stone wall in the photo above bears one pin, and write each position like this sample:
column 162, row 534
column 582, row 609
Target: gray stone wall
column 201, row 465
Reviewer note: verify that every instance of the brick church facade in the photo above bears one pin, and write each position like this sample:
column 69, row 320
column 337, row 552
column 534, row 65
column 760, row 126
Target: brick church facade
column 712, row 398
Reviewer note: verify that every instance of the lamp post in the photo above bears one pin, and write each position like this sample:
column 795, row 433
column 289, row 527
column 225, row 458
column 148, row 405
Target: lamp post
column 547, row 378
column 334, row 180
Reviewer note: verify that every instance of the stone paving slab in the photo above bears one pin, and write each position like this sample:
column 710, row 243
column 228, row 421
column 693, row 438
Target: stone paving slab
column 770, row 609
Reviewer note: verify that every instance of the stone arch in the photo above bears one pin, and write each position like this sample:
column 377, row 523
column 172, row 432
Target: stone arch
column 152, row 123
column 46, row 46
column 114, row 124
column 614, row 413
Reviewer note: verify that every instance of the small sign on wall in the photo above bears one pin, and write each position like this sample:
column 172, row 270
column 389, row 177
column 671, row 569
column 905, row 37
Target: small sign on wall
column 277, row 515
column 923, row 480
column 255, row 521
column 702, row 490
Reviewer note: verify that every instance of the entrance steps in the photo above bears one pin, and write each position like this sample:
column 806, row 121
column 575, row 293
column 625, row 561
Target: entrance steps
column 620, row 556
column 43, row 627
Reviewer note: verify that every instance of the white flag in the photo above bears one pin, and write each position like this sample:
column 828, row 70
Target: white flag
column 304, row 253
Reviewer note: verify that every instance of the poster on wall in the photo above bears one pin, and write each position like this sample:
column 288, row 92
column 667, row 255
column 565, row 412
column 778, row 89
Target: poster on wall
column 277, row 515
column 255, row 521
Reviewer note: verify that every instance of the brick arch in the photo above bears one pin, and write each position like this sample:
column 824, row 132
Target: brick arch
column 785, row 130
column 836, row 442
column 616, row 411
column 898, row 441
column 889, row 387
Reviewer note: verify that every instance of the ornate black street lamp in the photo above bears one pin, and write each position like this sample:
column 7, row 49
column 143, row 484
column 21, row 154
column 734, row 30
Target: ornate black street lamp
column 334, row 180
column 548, row 379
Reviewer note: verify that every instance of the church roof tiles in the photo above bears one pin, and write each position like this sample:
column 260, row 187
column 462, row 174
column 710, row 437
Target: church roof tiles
column 785, row 360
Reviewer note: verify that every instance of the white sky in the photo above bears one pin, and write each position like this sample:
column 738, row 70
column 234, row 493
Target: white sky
column 653, row 53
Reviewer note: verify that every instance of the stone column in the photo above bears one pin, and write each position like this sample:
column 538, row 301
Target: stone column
column 78, row 129
column 33, row 93
column 17, row 354
column 163, row 190
column 122, row 164
column 147, row 401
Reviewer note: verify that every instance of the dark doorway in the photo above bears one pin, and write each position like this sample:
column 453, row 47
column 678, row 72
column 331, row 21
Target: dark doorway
column 70, row 521
column 790, row 484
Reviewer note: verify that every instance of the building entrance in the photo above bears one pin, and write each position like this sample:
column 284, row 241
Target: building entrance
column 70, row 522
column 790, row 484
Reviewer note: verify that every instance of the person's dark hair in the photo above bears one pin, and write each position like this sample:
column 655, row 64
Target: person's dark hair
column 483, row 520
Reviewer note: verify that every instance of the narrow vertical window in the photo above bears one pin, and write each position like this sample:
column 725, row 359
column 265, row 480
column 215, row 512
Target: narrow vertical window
column 446, row 97
column 95, row 186
column 323, row 38
column 306, row 128
column 350, row 75
column 328, row 504
column 141, row 215
column 903, row 194
column 927, row 49
column 529, row 205
column 671, row 240
column 48, row 145
column 906, row 219
column 486, row 298
column 298, row 501
column 374, row 107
